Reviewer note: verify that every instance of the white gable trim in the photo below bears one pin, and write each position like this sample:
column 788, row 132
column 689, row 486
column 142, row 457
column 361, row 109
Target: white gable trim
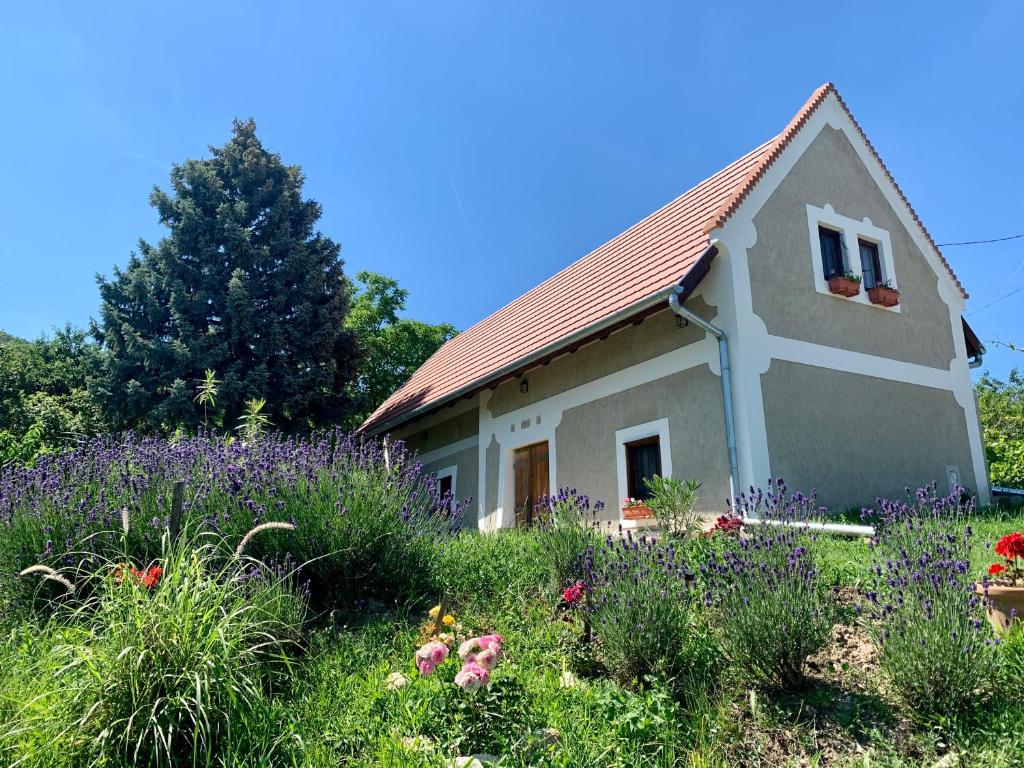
column 832, row 114
column 753, row 348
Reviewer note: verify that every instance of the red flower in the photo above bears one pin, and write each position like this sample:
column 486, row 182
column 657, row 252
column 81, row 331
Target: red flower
column 573, row 594
column 728, row 523
column 995, row 569
column 151, row 576
column 1011, row 546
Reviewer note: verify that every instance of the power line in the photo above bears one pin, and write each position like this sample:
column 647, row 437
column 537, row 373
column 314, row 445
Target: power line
column 982, row 242
column 996, row 301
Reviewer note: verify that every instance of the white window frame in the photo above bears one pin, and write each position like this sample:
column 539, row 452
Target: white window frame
column 851, row 231
column 453, row 473
column 657, row 429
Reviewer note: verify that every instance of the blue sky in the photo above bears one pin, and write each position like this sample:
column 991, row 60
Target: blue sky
column 472, row 149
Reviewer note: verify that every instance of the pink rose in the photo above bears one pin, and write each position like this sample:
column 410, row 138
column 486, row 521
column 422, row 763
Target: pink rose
column 425, row 666
column 491, row 641
column 487, row 658
column 435, row 651
column 467, row 681
column 474, row 668
column 469, row 647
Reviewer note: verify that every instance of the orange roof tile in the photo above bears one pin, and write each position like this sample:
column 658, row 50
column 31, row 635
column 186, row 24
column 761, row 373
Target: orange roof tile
column 637, row 265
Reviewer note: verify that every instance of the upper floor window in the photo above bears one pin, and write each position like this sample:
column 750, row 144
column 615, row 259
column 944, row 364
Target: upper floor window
column 832, row 261
column 870, row 266
column 852, row 259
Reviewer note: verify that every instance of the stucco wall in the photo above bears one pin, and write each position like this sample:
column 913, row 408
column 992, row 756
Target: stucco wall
column 783, row 283
column 691, row 401
column 467, row 463
column 424, row 438
column 854, row 438
column 493, row 467
column 655, row 336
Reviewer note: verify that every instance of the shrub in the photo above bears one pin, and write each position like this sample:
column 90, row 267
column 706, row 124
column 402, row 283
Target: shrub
column 645, row 613
column 159, row 670
column 366, row 521
column 568, row 525
column 934, row 646
column 673, row 501
column 774, row 608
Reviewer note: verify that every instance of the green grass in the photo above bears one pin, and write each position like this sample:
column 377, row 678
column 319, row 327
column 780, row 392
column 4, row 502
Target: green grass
column 332, row 706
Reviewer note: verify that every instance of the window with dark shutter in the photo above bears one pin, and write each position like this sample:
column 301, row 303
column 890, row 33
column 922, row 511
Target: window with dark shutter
column 870, row 264
column 643, row 460
column 831, row 253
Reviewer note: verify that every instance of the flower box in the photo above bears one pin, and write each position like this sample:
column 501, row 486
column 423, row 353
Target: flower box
column 844, row 286
column 637, row 512
column 884, row 296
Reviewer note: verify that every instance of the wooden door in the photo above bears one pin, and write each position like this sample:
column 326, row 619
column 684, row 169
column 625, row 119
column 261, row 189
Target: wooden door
column 531, row 480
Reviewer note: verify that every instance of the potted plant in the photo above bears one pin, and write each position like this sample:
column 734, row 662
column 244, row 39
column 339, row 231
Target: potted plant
column 1003, row 585
column 673, row 502
column 884, row 294
column 845, row 285
column 635, row 509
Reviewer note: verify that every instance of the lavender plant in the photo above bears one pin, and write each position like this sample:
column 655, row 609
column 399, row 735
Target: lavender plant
column 645, row 613
column 568, row 524
column 926, row 617
column 774, row 608
column 365, row 524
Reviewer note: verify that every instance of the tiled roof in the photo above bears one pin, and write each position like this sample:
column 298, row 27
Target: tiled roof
column 645, row 260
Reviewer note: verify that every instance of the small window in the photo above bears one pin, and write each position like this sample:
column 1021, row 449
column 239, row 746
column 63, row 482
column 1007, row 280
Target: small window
column 643, row 460
column 870, row 265
column 831, row 252
column 445, row 491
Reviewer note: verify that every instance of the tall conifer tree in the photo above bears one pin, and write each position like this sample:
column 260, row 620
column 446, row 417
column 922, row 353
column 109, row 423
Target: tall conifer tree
column 244, row 285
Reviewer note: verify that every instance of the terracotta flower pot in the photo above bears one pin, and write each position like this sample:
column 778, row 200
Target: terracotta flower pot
column 637, row 512
column 1003, row 601
column 844, row 286
column 884, row 297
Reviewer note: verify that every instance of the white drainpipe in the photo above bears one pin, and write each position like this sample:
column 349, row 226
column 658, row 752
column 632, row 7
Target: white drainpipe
column 677, row 306
column 723, row 356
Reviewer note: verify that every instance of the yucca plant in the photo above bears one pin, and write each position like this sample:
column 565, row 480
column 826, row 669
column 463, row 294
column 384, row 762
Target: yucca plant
column 163, row 663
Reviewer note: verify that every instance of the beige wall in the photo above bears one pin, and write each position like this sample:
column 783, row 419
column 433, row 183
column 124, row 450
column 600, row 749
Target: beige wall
column 467, row 463
column 655, row 336
column 783, row 283
column 424, row 437
column 854, row 438
column 691, row 401
column 493, row 467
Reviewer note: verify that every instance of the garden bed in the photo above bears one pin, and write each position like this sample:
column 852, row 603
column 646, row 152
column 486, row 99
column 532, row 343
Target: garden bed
column 341, row 684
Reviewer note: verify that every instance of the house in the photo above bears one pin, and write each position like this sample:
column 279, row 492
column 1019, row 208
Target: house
column 720, row 339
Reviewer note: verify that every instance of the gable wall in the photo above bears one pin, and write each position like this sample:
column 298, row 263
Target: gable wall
column 782, row 268
column 774, row 316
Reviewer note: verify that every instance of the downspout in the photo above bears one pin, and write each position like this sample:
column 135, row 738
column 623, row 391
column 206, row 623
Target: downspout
column 723, row 355
column 682, row 289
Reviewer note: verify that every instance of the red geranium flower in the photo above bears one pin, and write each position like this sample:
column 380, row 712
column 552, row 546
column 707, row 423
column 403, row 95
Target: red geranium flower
column 1011, row 546
column 728, row 523
column 573, row 594
column 995, row 569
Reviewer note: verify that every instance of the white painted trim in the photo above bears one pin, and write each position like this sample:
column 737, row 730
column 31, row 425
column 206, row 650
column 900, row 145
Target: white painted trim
column 657, row 428
column 550, row 411
column 835, row 359
column 851, row 231
column 447, row 450
column 453, row 473
column 749, row 339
